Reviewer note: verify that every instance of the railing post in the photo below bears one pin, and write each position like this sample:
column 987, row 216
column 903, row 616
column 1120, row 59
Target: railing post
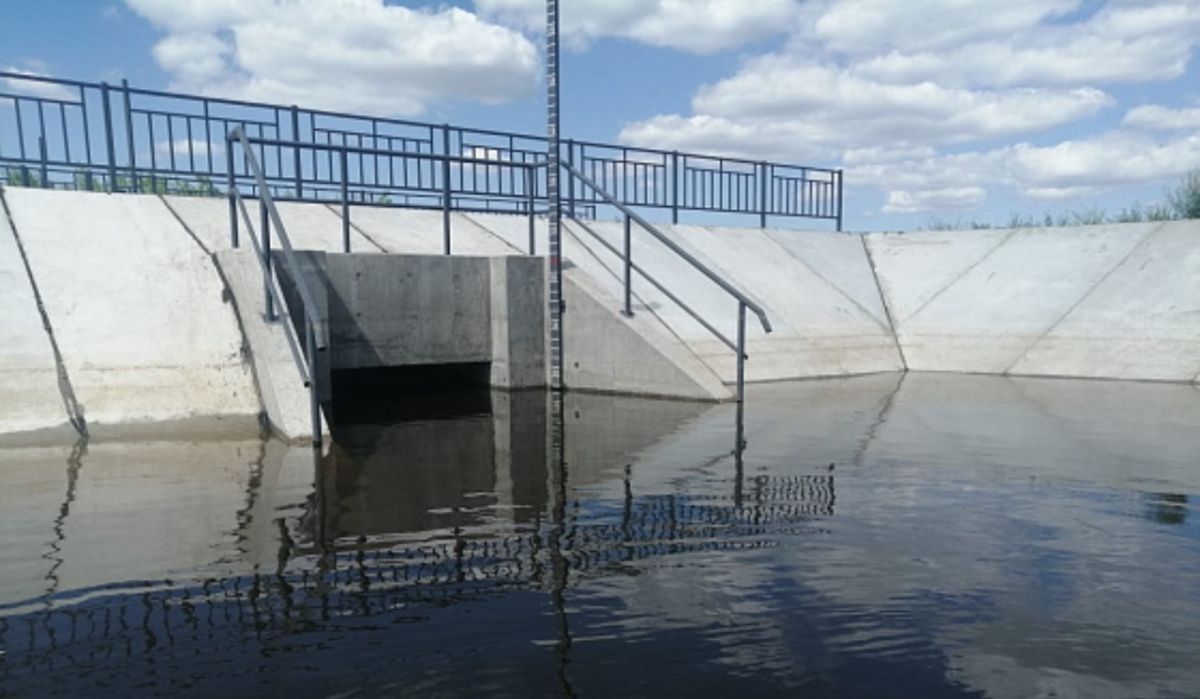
column 529, row 204
column 741, row 352
column 628, row 268
column 675, row 187
column 108, row 138
column 345, row 201
column 762, row 195
column 45, row 172
column 314, row 398
column 571, row 180
column 266, row 253
column 296, row 152
column 133, row 180
column 446, row 188
column 231, row 192
column 839, row 199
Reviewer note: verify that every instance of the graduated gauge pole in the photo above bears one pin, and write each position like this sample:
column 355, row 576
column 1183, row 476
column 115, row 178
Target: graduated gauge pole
column 553, row 171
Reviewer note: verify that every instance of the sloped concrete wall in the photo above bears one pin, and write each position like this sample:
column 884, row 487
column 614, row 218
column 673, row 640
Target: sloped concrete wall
column 140, row 314
column 1114, row 301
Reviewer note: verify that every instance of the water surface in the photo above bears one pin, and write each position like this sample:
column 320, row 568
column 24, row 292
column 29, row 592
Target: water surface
column 920, row 535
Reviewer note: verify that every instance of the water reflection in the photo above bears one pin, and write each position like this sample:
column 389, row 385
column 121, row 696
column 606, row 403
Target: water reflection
column 884, row 536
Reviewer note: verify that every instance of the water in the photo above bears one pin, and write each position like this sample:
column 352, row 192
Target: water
column 917, row 536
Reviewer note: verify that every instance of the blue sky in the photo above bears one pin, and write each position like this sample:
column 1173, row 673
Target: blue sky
column 938, row 109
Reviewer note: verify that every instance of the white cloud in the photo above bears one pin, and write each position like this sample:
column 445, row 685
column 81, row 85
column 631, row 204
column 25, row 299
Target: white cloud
column 37, row 88
column 1118, row 44
column 878, row 26
column 1158, row 118
column 355, row 55
column 699, row 26
column 887, row 87
column 908, row 202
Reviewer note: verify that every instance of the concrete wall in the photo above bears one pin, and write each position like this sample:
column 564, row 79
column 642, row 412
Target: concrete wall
column 139, row 312
column 1112, row 301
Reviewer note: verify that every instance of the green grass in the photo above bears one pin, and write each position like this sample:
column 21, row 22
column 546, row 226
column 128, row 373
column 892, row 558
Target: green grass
column 1181, row 202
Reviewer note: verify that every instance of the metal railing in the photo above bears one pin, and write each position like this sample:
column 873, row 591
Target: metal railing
column 349, row 181
column 626, row 256
column 80, row 135
column 315, row 332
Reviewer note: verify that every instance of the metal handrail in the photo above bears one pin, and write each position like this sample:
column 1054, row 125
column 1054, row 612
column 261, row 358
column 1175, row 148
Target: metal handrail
column 744, row 302
column 315, row 331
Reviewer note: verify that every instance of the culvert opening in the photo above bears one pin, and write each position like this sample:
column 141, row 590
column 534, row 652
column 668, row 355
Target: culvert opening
column 386, row 395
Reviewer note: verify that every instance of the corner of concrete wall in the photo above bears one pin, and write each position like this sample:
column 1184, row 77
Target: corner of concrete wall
column 518, row 322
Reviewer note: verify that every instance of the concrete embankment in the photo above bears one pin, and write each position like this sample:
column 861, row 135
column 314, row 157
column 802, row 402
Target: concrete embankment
column 126, row 310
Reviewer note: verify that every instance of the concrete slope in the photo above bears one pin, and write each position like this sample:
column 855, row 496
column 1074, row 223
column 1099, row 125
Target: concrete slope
column 1002, row 304
column 279, row 379
column 820, row 329
column 414, row 231
column 309, row 226
column 1142, row 321
column 30, row 400
column 138, row 309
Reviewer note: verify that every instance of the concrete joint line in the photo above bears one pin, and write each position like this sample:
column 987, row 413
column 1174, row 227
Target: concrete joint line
column 962, row 274
column 488, row 231
column 354, row 227
column 74, row 410
column 187, row 229
column 833, row 286
column 1081, row 299
column 887, row 309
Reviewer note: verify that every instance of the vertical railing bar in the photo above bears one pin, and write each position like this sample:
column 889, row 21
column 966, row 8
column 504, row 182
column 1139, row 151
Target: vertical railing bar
column 840, row 200
column 171, row 141
column 187, row 120
column 62, row 120
column 153, row 156
column 45, row 170
column 231, row 193
column 265, row 224
column 345, row 204
column 529, row 203
column 628, row 267
column 208, row 142
column 108, row 138
column 133, row 183
column 314, row 400
column 446, row 189
column 741, row 353
column 296, row 162
column 87, row 137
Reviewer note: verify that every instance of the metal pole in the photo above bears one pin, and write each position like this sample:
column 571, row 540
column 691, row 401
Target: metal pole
column 628, row 268
column 296, row 152
column 45, row 171
column 675, row 187
column 266, row 252
column 529, row 204
column 231, row 192
column 345, row 204
column 571, row 180
column 446, row 189
column 553, row 197
column 741, row 352
column 314, row 399
column 108, row 139
column 762, row 195
column 839, row 199
column 133, row 181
